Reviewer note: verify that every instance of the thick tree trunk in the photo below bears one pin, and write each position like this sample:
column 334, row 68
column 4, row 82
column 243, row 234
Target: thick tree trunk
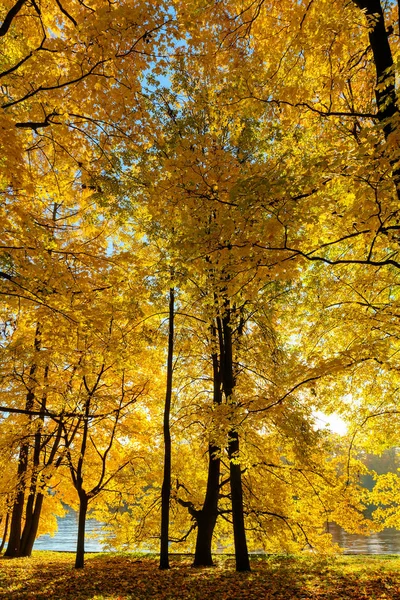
column 166, row 485
column 205, row 528
column 80, row 547
column 31, row 527
column 30, row 505
column 14, row 540
column 207, row 517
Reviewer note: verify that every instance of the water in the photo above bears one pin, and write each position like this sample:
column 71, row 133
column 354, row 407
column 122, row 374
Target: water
column 66, row 537
column 385, row 542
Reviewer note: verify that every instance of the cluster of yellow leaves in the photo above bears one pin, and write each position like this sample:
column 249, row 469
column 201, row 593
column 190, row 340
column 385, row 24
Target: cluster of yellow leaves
column 261, row 151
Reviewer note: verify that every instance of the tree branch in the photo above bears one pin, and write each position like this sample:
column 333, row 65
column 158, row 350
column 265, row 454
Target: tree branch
column 10, row 16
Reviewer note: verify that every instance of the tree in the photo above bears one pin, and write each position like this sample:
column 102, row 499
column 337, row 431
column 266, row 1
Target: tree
column 252, row 150
column 204, row 177
column 76, row 439
column 166, row 484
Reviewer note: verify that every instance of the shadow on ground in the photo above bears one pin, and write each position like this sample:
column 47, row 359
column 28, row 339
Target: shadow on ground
column 48, row 575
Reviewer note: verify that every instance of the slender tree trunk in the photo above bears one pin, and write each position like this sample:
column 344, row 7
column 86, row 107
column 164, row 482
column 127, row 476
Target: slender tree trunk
column 80, row 547
column 228, row 379
column 83, row 498
column 166, row 486
column 5, row 532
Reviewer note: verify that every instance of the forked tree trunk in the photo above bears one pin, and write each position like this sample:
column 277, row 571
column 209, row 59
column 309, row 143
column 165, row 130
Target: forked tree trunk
column 14, row 542
column 31, row 526
column 35, row 499
column 206, row 518
column 166, row 485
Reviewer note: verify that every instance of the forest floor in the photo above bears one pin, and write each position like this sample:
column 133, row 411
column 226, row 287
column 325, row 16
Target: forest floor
column 50, row 575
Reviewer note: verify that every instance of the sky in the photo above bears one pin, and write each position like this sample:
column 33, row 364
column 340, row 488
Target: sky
column 334, row 422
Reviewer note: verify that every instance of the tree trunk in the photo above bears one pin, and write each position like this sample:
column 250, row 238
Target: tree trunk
column 80, row 547
column 35, row 499
column 166, row 486
column 228, row 380
column 31, row 527
column 385, row 91
column 5, row 532
column 239, row 532
column 28, row 523
column 14, row 542
column 206, row 518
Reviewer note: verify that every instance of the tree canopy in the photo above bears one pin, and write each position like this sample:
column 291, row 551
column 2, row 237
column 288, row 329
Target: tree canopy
column 199, row 254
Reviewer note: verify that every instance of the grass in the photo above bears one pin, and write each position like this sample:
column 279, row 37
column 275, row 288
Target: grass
column 133, row 577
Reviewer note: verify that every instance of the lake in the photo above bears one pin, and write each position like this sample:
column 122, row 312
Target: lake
column 66, row 536
column 385, row 542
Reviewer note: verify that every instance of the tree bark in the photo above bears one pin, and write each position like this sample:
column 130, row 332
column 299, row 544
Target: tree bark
column 14, row 541
column 31, row 527
column 239, row 531
column 83, row 497
column 206, row 518
column 35, row 500
column 385, row 74
column 166, row 485
column 80, row 547
column 228, row 381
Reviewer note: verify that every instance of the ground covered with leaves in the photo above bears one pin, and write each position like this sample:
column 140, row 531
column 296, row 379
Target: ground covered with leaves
column 129, row 577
